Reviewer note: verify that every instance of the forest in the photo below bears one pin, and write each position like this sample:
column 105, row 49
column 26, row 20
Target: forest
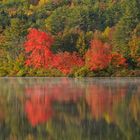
column 74, row 38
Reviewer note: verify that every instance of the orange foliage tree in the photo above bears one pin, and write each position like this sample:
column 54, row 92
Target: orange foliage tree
column 98, row 56
column 117, row 60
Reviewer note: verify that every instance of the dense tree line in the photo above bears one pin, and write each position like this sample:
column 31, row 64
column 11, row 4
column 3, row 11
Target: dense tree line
column 103, row 36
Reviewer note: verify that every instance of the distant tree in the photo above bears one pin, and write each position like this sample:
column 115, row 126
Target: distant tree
column 113, row 13
column 79, row 17
column 56, row 22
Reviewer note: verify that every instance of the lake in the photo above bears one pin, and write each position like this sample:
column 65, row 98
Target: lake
column 69, row 109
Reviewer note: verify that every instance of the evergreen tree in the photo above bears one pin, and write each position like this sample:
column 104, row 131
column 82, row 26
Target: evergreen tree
column 126, row 25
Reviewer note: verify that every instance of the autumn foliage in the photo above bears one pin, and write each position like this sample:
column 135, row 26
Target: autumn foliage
column 39, row 109
column 40, row 99
column 65, row 61
column 98, row 56
column 101, row 100
column 37, row 48
column 45, row 37
column 117, row 60
column 39, row 55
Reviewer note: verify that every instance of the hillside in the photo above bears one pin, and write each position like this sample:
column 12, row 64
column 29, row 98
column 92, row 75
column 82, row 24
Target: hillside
column 69, row 38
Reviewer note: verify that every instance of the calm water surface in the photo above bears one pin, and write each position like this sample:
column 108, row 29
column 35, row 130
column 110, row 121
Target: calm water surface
column 69, row 109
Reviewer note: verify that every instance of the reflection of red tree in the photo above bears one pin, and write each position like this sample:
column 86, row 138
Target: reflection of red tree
column 38, row 109
column 39, row 105
column 66, row 95
column 101, row 100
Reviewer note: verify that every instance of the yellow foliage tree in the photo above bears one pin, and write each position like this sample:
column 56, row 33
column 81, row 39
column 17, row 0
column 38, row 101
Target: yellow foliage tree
column 42, row 2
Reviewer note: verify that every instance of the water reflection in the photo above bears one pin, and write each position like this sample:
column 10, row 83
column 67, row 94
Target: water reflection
column 72, row 109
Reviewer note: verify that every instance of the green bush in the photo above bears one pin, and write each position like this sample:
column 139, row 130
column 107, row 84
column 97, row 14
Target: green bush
column 82, row 72
column 44, row 72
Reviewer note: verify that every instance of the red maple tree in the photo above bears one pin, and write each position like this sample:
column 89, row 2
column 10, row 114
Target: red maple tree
column 38, row 109
column 37, row 48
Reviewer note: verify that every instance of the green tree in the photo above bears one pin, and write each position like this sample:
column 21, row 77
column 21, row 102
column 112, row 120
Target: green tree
column 14, row 36
column 126, row 25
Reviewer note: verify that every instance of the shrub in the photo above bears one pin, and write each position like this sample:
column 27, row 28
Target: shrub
column 83, row 72
column 65, row 62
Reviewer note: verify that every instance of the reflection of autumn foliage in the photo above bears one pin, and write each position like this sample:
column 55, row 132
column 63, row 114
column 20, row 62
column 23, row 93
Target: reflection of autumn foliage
column 39, row 106
column 134, row 106
column 101, row 100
